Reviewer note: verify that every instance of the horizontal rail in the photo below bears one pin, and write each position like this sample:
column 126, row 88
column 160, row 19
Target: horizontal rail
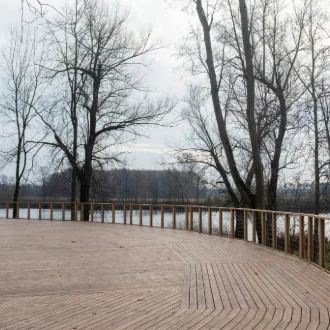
column 180, row 205
column 302, row 235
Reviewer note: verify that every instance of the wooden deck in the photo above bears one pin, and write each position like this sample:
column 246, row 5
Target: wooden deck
column 73, row 275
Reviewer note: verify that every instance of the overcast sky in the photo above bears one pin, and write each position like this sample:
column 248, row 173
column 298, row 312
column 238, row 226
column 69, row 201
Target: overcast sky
column 170, row 24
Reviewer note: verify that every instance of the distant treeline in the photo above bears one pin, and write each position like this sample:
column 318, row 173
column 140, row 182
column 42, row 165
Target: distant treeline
column 151, row 186
column 117, row 184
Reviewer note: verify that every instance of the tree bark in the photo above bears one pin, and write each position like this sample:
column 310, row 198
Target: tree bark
column 275, row 165
column 250, row 110
column 17, row 175
column 15, row 198
column 74, row 119
column 84, row 196
column 247, row 197
column 245, row 193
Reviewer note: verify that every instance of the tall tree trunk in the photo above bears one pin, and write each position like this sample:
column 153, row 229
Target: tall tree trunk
column 247, row 197
column 258, row 202
column 17, row 178
column 15, row 198
column 86, row 174
column 317, row 178
column 197, row 191
column 275, row 166
column 74, row 173
column 74, row 119
column 245, row 193
column 73, row 191
column 85, row 181
column 250, row 110
column 316, row 130
column 316, row 161
column 84, row 196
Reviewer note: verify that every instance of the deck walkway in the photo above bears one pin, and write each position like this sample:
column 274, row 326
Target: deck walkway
column 72, row 275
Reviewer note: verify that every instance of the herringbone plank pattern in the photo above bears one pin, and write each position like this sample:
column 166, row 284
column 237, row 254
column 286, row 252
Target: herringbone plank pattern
column 73, row 275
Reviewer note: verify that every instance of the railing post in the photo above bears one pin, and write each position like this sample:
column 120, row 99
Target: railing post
column 232, row 223
column 140, row 220
column 310, row 238
column 76, row 211
column 263, row 228
column 102, row 212
column 113, row 213
column 125, row 211
column 220, row 222
column 274, row 235
column 173, row 217
column 151, row 218
column 254, row 215
column 29, row 211
column 92, row 212
column 51, row 210
column 301, row 236
column 17, row 210
column 199, row 219
column 63, row 211
column 162, row 216
column 7, row 210
column 191, row 218
column 321, row 242
column 209, row 222
column 131, row 214
column 245, row 226
column 39, row 211
column 286, row 233
column 186, row 220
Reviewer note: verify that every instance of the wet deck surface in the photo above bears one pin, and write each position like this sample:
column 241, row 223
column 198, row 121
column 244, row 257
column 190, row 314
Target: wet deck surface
column 72, row 275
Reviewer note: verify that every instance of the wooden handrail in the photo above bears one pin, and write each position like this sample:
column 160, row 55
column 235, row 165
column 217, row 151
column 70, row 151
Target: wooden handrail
column 265, row 224
column 181, row 206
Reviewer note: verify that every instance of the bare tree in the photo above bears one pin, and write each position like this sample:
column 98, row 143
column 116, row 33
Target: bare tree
column 206, row 18
column 68, row 53
column 214, row 64
column 112, row 101
column 282, row 43
column 22, row 94
column 314, row 74
column 251, row 66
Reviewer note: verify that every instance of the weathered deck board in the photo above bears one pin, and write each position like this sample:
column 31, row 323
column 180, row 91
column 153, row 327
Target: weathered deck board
column 72, row 275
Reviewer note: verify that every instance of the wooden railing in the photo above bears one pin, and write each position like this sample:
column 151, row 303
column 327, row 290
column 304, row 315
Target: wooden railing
column 305, row 235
